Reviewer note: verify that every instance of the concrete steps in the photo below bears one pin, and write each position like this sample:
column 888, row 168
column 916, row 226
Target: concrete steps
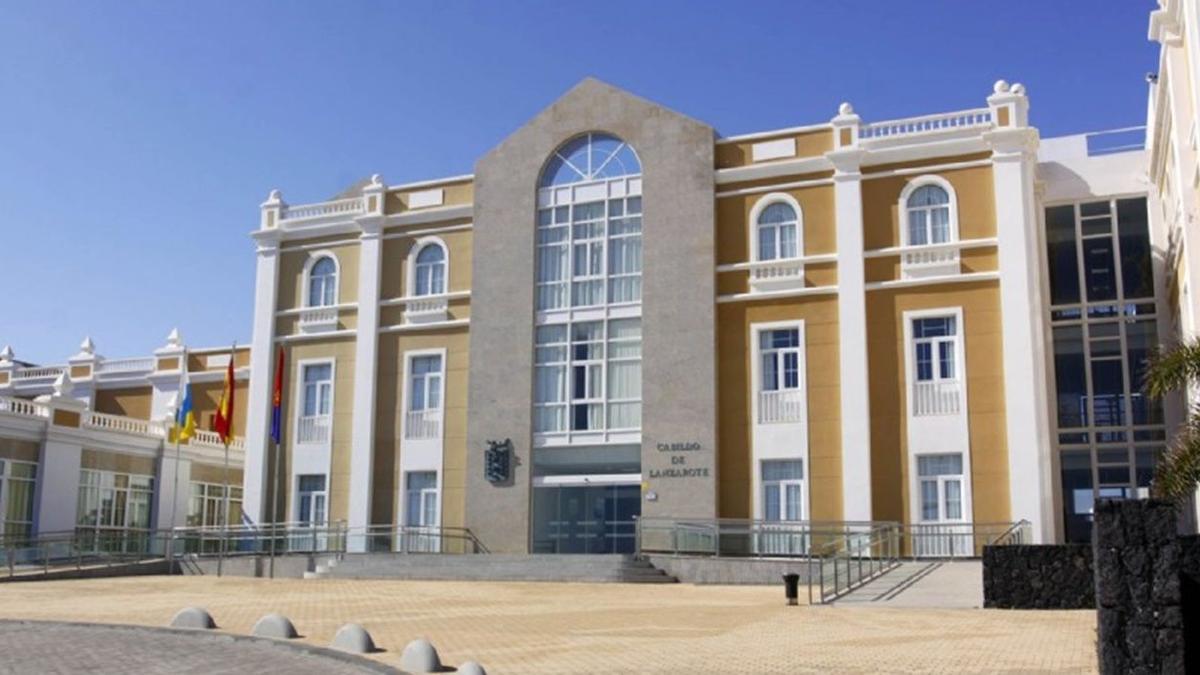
column 492, row 567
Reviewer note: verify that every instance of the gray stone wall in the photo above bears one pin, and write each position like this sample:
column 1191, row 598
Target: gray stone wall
column 679, row 340
column 1039, row 577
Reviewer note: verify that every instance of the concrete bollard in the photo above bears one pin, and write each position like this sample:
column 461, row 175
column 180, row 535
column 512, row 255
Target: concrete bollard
column 420, row 657
column 471, row 668
column 193, row 617
column 275, row 626
column 353, row 638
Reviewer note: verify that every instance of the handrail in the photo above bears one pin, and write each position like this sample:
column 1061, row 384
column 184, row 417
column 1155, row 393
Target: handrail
column 741, row 537
column 853, row 562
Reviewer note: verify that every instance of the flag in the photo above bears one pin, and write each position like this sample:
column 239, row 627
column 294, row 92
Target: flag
column 223, row 422
column 277, row 401
column 185, row 419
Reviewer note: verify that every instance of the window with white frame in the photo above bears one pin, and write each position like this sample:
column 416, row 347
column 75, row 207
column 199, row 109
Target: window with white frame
column 777, row 229
column 588, row 376
column 781, row 386
column 111, row 501
column 423, row 419
column 430, row 270
column 207, row 504
column 935, row 341
column 783, row 492
column 316, row 402
column 929, row 216
column 17, row 483
column 322, row 283
column 940, row 488
column 421, row 499
column 311, row 499
column 589, row 259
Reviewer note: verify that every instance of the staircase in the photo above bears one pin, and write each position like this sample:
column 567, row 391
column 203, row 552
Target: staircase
column 491, row 567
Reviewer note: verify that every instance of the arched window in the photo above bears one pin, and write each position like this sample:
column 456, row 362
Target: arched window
column 930, row 213
column 430, row 274
column 778, row 232
column 322, row 282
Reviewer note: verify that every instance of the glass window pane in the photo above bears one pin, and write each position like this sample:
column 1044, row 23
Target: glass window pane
column 1070, row 377
column 1098, row 269
column 929, row 500
column 782, row 469
column 771, row 502
column 1136, row 274
column 939, row 465
column 946, row 359
column 1062, row 259
column 1108, row 387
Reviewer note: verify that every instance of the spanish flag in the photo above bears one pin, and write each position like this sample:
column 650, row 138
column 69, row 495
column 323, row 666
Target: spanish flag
column 223, row 422
column 185, row 419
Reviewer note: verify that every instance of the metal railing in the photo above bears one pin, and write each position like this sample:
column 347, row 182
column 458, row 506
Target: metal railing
column 745, row 538
column 842, row 566
column 960, row 540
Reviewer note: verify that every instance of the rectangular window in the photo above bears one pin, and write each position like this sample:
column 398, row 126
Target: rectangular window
column 207, row 503
column 113, row 510
column 1063, row 257
column 934, row 348
column 941, row 487
column 783, row 489
column 588, row 376
column 1136, row 273
column 17, row 483
column 311, row 499
column 421, row 499
column 589, row 254
column 318, row 389
column 781, row 395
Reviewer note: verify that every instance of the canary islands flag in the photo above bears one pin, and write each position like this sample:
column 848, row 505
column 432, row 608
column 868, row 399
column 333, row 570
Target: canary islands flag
column 185, row 419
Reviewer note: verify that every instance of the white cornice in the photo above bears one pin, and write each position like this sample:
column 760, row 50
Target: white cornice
column 790, row 167
column 433, row 325
column 430, row 215
column 757, row 135
column 431, row 183
column 769, row 295
column 929, row 281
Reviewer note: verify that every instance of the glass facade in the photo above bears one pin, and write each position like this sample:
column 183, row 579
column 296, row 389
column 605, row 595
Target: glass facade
column 1103, row 328
column 17, row 483
column 113, row 510
column 585, row 518
column 207, row 504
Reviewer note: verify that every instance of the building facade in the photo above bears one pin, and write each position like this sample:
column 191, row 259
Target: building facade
column 844, row 321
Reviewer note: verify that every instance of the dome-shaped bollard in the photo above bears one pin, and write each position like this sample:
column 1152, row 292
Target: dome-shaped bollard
column 275, row 626
column 353, row 638
column 420, row 657
column 471, row 668
column 193, row 617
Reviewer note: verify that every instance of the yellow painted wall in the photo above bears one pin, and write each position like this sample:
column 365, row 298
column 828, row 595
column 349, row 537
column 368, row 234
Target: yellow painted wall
column 973, row 188
column 808, row 144
column 734, row 352
column 389, row 415
column 394, row 280
column 112, row 461
column 454, row 193
column 132, row 402
column 980, row 302
column 291, row 273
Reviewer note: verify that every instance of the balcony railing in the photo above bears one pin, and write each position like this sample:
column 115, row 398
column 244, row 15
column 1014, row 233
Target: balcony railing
column 19, row 406
column 426, row 310
column 931, row 261
column 782, row 405
column 212, row 438
column 423, row 424
column 777, row 273
column 318, row 319
column 313, row 429
column 134, row 365
column 936, row 397
column 927, row 124
column 127, row 425
column 338, row 207
column 47, row 373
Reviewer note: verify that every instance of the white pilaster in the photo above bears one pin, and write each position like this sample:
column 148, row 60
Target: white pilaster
column 1014, row 158
column 165, row 383
column 362, row 432
column 57, row 493
column 262, row 363
column 852, row 318
column 82, row 367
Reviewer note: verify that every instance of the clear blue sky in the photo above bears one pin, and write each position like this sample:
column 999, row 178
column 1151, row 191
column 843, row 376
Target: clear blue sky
column 138, row 138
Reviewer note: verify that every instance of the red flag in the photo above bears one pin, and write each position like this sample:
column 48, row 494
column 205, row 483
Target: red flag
column 277, row 401
column 223, row 423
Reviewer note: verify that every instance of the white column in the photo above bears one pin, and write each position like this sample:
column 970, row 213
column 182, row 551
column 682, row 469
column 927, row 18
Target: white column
column 57, row 495
column 1026, row 407
column 262, row 363
column 172, row 489
column 362, row 432
column 852, row 318
column 165, row 383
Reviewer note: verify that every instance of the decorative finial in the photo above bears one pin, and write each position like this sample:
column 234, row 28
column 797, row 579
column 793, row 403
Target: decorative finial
column 87, row 346
column 6, row 354
column 1018, row 89
column 174, row 339
column 1000, row 87
column 63, row 385
column 845, row 109
column 274, row 196
column 376, row 180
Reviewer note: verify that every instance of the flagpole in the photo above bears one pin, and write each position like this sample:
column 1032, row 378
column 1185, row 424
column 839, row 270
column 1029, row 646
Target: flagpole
column 274, row 501
column 175, row 489
column 225, row 442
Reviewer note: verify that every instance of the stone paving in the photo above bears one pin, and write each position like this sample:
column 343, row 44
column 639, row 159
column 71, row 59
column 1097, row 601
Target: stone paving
column 595, row 628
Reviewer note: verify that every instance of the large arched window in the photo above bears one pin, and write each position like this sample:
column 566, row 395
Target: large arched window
column 430, row 271
column 322, row 281
column 777, row 228
column 587, row 380
column 930, row 214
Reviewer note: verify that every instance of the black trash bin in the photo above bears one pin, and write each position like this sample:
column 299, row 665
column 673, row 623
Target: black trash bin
column 791, row 588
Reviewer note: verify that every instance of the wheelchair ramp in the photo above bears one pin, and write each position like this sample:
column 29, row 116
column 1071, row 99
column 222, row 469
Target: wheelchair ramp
column 933, row 584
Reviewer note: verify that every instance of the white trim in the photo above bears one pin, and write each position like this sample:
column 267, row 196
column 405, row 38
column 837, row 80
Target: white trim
column 407, row 327
column 790, row 293
column 920, row 182
column 348, row 306
column 428, row 230
column 296, row 467
column 421, row 454
column 451, row 295
column 431, row 182
column 787, row 167
column 410, row 273
column 908, row 171
column 771, row 188
column 295, row 337
column 319, row 245
column 755, row 264
column 756, row 135
column 756, row 211
column 312, row 260
column 777, row 441
column 944, row 440
column 948, row 279
column 429, row 215
column 892, row 251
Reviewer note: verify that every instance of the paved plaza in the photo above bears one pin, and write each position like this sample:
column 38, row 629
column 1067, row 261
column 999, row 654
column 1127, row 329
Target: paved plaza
column 582, row 628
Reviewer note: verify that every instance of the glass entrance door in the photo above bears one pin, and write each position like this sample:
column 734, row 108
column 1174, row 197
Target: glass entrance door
column 585, row 518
